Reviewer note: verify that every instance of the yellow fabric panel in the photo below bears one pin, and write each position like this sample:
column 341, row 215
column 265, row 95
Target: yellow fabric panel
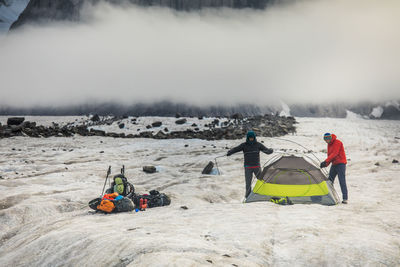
column 284, row 190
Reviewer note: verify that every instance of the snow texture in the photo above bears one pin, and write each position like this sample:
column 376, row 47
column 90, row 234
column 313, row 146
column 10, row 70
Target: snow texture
column 47, row 183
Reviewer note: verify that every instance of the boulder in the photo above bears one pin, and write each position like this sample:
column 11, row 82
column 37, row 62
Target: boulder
column 28, row 124
column 395, row 161
column 95, row 118
column 121, row 125
column 149, row 169
column 180, row 121
column 15, row 121
column 156, row 124
column 98, row 132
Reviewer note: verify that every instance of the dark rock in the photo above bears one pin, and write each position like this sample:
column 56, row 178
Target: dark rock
column 98, row 132
column 166, row 129
column 111, row 134
column 121, row 125
column 149, row 169
column 160, row 135
column 15, row 121
column 186, row 145
column 28, row 124
column 194, row 125
column 178, row 115
column 16, row 129
column 101, row 152
column 95, row 118
column 184, row 207
column 148, row 127
column 377, row 164
column 237, row 116
column 207, row 169
column 181, row 121
column 156, row 124
column 395, row 161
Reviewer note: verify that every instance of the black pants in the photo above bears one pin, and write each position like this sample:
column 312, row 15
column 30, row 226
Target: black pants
column 248, row 174
column 340, row 171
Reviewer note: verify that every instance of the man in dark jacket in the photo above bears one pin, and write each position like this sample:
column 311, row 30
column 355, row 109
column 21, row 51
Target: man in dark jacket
column 251, row 150
column 337, row 157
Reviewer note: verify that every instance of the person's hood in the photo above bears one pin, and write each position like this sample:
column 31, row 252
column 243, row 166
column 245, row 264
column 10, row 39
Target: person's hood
column 333, row 138
column 251, row 134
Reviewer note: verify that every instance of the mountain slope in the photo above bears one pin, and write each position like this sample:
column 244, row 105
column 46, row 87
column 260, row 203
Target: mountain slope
column 43, row 10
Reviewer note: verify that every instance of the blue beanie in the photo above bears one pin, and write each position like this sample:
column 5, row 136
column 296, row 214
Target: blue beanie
column 251, row 134
column 327, row 136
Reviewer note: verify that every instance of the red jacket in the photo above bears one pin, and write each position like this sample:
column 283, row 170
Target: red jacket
column 336, row 154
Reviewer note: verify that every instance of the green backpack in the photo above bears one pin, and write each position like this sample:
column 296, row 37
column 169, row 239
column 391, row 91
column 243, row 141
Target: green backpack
column 120, row 185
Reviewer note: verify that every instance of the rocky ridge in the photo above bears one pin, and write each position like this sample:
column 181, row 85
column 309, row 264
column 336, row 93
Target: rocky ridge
column 233, row 128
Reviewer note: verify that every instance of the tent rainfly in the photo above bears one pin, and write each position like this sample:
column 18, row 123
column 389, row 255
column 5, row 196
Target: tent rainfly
column 295, row 178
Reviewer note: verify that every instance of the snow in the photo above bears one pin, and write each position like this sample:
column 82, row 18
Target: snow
column 47, row 183
column 285, row 110
column 352, row 115
column 377, row 112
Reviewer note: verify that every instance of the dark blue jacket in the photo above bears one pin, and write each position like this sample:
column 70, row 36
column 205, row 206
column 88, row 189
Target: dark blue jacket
column 251, row 151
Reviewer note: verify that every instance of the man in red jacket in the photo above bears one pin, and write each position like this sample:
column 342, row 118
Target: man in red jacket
column 337, row 157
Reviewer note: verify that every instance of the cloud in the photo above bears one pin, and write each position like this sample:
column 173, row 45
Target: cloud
column 308, row 51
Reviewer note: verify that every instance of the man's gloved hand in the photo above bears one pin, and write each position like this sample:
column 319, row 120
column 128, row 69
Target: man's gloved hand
column 323, row 164
column 269, row 151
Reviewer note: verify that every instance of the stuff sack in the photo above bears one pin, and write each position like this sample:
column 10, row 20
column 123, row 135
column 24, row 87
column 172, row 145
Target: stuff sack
column 154, row 199
column 106, row 206
column 107, row 202
column 123, row 205
column 281, row 200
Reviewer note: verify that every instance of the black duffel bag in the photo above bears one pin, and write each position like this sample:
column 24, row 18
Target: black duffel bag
column 154, row 199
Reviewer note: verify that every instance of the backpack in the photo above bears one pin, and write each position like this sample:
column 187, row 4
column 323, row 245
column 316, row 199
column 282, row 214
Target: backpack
column 154, row 199
column 121, row 186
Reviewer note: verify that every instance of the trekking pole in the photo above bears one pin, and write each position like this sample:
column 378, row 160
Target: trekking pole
column 105, row 182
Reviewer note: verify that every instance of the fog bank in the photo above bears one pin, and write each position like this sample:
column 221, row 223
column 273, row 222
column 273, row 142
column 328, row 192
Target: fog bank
column 309, row 51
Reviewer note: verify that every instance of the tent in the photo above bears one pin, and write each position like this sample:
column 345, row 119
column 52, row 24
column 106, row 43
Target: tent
column 296, row 178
